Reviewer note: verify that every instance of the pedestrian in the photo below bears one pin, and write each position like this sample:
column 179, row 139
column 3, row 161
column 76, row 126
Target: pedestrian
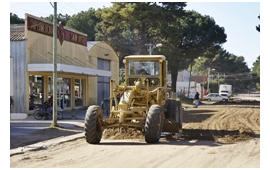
column 197, row 99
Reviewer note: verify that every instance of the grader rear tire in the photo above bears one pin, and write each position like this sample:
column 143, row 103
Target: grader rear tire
column 171, row 106
column 154, row 124
column 174, row 111
column 179, row 114
column 93, row 124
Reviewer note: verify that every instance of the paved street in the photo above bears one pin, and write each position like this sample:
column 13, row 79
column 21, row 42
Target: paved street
column 30, row 124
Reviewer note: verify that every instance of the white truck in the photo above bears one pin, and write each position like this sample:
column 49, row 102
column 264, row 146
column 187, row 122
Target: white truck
column 225, row 90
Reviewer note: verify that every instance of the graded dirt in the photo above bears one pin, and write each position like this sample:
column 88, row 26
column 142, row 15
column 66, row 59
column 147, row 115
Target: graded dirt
column 214, row 136
column 227, row 122
column 221, row 122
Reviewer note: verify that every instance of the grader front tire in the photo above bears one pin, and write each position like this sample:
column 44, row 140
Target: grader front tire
column 93, row 124
column 154, row 124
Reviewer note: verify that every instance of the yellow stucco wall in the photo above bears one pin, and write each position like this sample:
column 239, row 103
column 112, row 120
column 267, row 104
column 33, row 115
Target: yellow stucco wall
column 39, row 49
column 104, row 51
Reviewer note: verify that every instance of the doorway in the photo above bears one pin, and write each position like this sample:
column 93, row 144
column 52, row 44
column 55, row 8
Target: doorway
column 63, row 92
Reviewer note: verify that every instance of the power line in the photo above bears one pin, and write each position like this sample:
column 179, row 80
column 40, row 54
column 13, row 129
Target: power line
column 64, row 8
column 51, row 4
column 73, row 7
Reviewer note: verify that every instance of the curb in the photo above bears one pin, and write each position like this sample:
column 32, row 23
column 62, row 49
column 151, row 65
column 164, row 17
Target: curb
column 45, row 144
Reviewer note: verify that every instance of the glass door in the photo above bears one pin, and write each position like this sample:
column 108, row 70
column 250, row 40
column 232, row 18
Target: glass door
column 63, row 92
column 79, row 91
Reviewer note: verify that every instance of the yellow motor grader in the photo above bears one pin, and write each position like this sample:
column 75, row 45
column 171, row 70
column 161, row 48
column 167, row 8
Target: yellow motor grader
column 145, row 102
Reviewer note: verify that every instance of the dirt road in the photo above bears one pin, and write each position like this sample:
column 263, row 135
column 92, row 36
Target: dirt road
column 220, row 136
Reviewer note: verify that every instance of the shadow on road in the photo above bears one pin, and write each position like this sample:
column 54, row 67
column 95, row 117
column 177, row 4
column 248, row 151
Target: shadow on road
column 197, row 115
column 39, row 135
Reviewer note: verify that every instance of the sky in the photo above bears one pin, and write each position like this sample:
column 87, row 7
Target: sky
column 238, row 18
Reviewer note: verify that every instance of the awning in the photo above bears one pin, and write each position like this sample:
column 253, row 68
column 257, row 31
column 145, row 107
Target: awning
column 64, row 68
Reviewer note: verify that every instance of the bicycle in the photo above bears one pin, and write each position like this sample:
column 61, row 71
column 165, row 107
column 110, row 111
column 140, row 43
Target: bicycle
column 42, row 110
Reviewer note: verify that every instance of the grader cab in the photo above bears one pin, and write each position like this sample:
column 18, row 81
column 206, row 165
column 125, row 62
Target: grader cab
column 145, row 102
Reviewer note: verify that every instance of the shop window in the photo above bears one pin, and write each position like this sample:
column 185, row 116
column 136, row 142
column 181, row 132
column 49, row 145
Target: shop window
column 103, row 82
column 63, row 91
column 35, row 90
column 78, row 88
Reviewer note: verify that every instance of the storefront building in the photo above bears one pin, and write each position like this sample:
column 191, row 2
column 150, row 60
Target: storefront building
column 84, row 68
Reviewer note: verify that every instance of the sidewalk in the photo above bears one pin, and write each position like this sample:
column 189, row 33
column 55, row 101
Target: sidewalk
column 71, row 121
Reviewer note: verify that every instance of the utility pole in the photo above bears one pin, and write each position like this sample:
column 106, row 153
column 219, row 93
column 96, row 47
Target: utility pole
column 218, row 80
column 189, row 78
column 54, row 122
column 208, row 79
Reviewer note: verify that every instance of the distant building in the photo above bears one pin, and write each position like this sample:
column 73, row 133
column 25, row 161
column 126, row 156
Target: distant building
column 195, row 85
column 199, row 79
column 183, row 76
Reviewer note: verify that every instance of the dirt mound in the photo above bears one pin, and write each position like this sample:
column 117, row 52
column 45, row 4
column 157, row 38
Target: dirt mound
column 222, row 124
column 122, row 133
column 225, row 124
column 224, row 136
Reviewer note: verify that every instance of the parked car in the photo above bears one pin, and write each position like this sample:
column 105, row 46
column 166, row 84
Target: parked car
column 215, row 97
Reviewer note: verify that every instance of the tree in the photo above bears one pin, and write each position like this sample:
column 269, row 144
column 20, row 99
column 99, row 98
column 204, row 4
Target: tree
column 129, row 26
column 14, row 19
column 184, row 35
column 258, row 27
column 196, row 34
column 60, row 18
column 231, row 68
column 256, row 71
column 256, row 64
column 85, row 22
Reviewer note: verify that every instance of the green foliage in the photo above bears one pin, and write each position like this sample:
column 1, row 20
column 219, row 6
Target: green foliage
column 223, row 63
column 14, row 19
column 256, row 67
column 235, row 69
column 129, row 26
column 60, row 18
column 228, row 69
column 256, row 72
column 258, row 86
column 195, row 35
column 214, row 86
column 85, row 22
column 258, row 27
column 184, row 35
